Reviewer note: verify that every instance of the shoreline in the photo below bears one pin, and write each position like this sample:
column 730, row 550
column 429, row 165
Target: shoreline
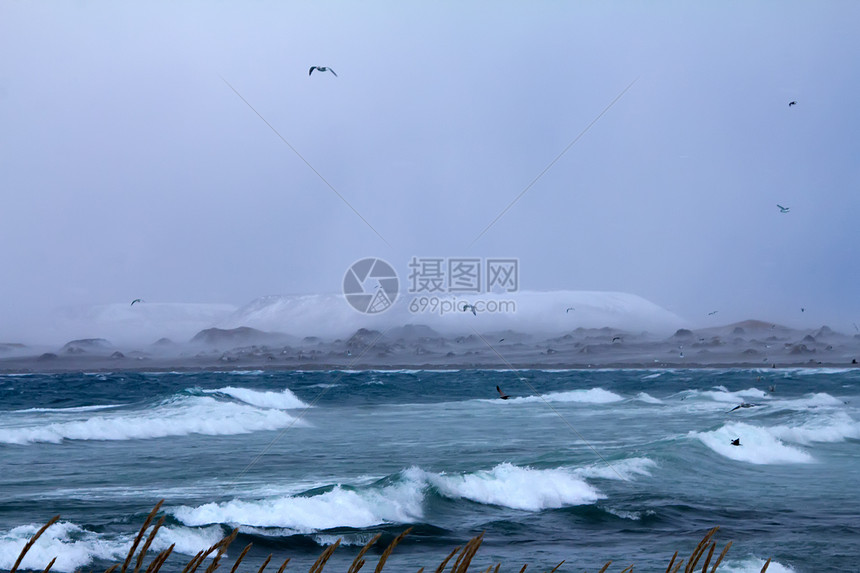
column 746, row 345
column 101, row 367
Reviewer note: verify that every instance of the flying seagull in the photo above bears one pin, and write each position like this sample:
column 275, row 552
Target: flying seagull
column 502, row 395
column 736, row 442
column 467, row 306
column 614, row 338
column 135, row 300
column 321, row 69
column 743, row 405
column 802, row 309
column 713, row 312
column 783, row 209
column 791, row 103
column 570, row 308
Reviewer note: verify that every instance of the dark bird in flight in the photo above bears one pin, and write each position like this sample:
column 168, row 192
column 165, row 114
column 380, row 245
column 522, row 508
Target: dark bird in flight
column 791, row 103
column 501, row 340
column 502, row 395
column 783, row 209
column 570, row 308
column 802, row 309
column 743, row 405
column 467, row 306
column 135, row 300
column 614, row 338
column 321, row 69
column 736, row 442
column 713, row 312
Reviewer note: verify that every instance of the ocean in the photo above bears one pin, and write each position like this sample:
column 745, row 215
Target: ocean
column 583, row 466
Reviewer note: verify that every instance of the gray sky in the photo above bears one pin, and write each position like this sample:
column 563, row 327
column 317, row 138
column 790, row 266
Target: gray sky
column 129, row 169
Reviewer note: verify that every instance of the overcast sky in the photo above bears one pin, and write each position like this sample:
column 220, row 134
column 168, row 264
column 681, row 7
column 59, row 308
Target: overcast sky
column 129, row 169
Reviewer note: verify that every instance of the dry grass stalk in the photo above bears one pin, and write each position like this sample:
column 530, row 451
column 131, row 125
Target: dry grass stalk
column 468, row 553
column 708, row 558
column 112, row 568
column 498, row 565
column 240, row 557
column 763, row 569
column 284, row 565
column 358, row 562
column 450, row 555
column 318, row 565
column 147, row 544
column 523, row 570
column 627, row 569
column 266, row 562
column 720, row 558
column 421, row 570
column 137, row 539
column 389, row 549
column 202, row 555
column 605, row 567
column 554, row 569
column 51, row 564
column 159, row 560
column 671, row 562
column 222, row 549
column 678, row 566
column 700, row 548
column 32, row 540
column 193, row 562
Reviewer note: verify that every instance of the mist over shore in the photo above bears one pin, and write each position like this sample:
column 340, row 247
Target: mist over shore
column 563, row 329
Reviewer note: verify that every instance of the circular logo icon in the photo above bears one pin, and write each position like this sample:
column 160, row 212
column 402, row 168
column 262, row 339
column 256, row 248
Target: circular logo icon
column 370, row 285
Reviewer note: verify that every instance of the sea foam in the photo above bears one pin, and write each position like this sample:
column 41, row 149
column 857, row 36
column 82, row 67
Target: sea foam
column 178, row 417
column 511, row 486
column 338, row 507
column 284, row 400
column 758, row 445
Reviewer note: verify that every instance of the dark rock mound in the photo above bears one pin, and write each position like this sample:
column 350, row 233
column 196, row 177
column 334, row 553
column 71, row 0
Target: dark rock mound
column 48, row 356
column 241, row 336
column 413, row 332
column 683, row 333
column 86, row 345
column 364, row 338
column 117, row 355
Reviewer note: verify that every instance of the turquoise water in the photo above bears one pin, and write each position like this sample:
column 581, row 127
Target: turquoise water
column 582, row 466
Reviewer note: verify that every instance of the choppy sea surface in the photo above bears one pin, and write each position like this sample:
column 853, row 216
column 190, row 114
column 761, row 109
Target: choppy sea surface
column 582, row 466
